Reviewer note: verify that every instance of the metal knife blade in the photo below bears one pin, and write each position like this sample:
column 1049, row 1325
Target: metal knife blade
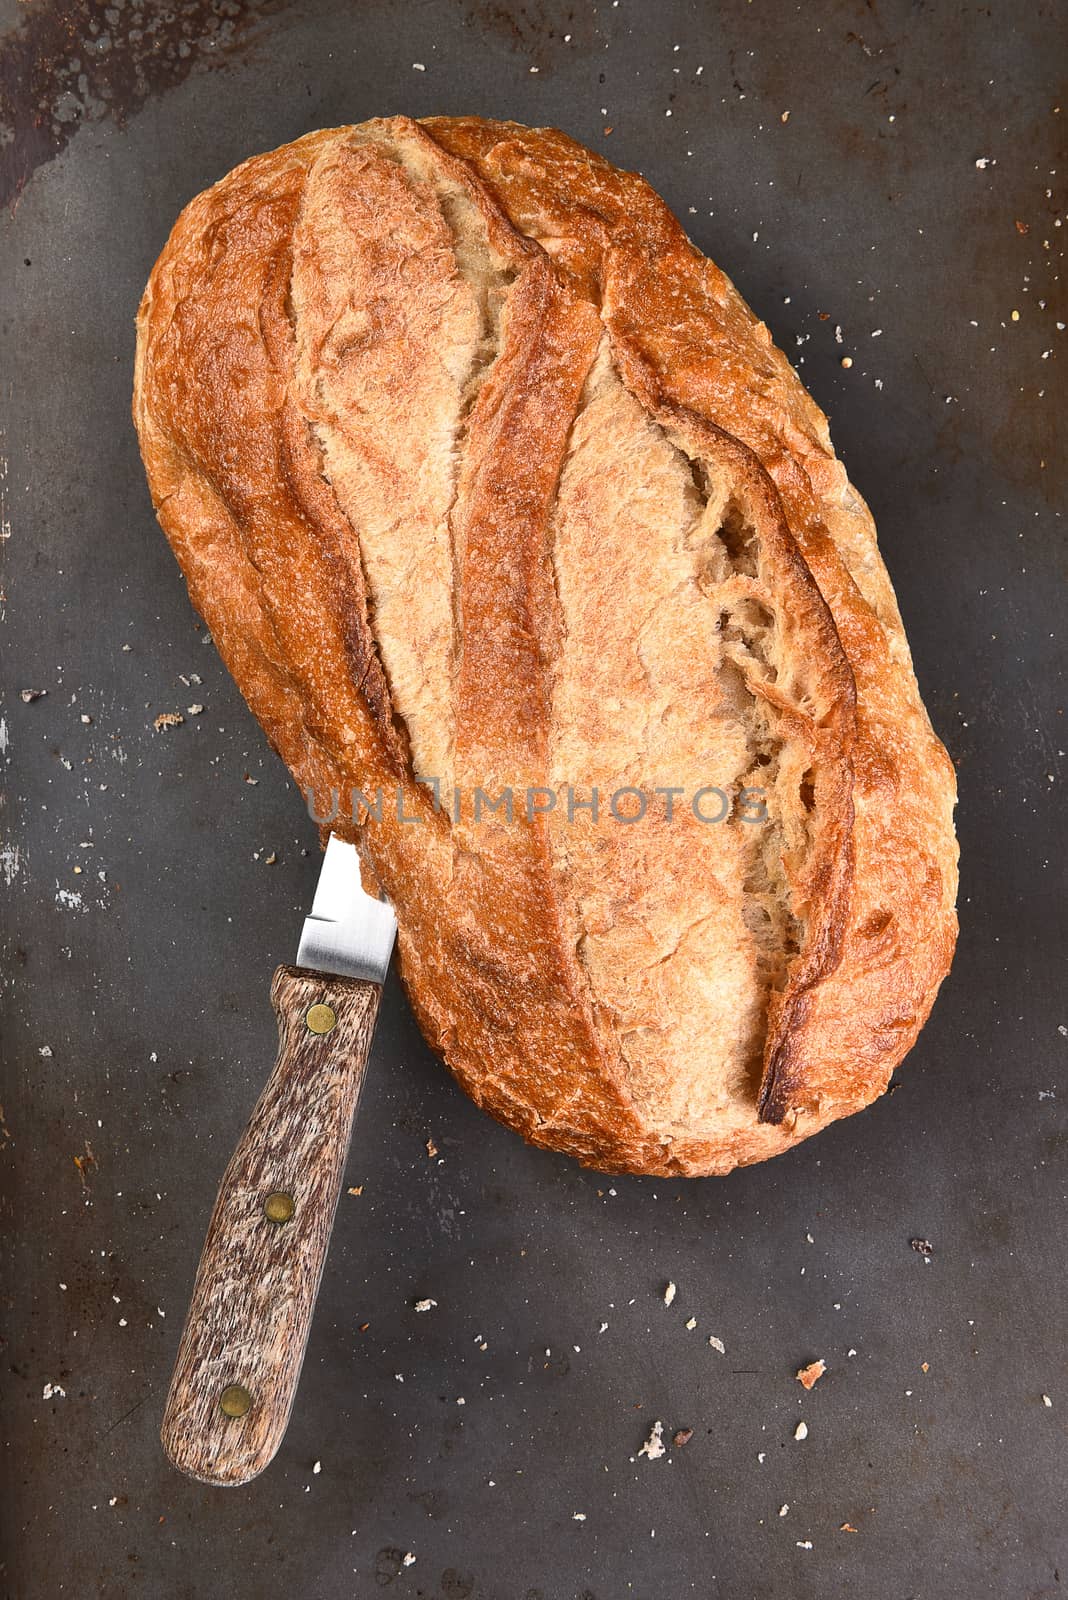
column 349, row 932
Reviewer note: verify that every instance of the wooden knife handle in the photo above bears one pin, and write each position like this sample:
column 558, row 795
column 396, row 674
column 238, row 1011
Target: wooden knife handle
column 244, row 1339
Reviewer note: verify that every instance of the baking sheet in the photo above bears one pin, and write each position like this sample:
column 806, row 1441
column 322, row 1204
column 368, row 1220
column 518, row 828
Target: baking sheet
column 883, row 169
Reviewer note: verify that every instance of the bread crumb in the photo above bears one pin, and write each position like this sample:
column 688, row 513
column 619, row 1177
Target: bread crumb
column 692, row 1323
column 578, row 1516
column 654, row 1446
column 28, row 696
column 357, row 1189
column 801, row 1431
column 810, row 1375
column 168, row 719
column 1046, row 1401
column 418, row 66
column 431, row 1149
column 847, row 361
column 785, row 117
column 669, row 1293
column 53, row 1391
column 847, row 1527
column 408, row 1560
column 717, row 1344
column 783, row 1510
column 425, row 1305
column 681, row 1437
column 317, row 1467
column 196, row 710
column 804, row 1544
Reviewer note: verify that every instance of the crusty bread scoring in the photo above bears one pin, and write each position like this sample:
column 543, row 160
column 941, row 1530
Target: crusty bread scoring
column 479, row 471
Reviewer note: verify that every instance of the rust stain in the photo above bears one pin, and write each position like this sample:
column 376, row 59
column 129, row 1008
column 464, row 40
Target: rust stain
column 75, row 61
column 86, row 1165
column 542, row 33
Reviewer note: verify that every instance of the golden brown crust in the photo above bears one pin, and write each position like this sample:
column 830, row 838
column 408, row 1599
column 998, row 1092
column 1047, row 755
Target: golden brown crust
column 248, row 383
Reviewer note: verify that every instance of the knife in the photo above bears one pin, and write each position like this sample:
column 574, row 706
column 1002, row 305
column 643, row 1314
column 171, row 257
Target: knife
column 244, row 1339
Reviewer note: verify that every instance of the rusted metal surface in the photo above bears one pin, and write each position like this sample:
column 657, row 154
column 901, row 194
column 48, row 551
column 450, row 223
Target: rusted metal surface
column 64, row 65
column 889, row 170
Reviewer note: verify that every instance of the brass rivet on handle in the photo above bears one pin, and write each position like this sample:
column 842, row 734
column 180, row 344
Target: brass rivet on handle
column 320, row 1018
column 279, row 1206
column 234, row 1401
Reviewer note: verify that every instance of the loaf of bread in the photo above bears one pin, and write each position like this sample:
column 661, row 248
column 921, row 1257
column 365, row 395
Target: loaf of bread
column 532, row 557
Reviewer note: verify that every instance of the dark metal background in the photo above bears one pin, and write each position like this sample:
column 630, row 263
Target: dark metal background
column 866, row 209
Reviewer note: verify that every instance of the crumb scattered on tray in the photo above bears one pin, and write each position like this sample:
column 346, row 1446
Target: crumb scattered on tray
column 654, row 1446
column 431, row 1149
column 356, row 1189
column 317, row 1468
column 425, row 1305
column 717, row 1344
column 810, row 1375
column 801, row 1431
column 847, row 1527
column 669, row 1293
column 408, row 1559
column 691, row 1323
column 923, row 1247
column 681, row 1437
column 195, row 710
column 54, row 1391
column 168, row 719
column 1046, row 1401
